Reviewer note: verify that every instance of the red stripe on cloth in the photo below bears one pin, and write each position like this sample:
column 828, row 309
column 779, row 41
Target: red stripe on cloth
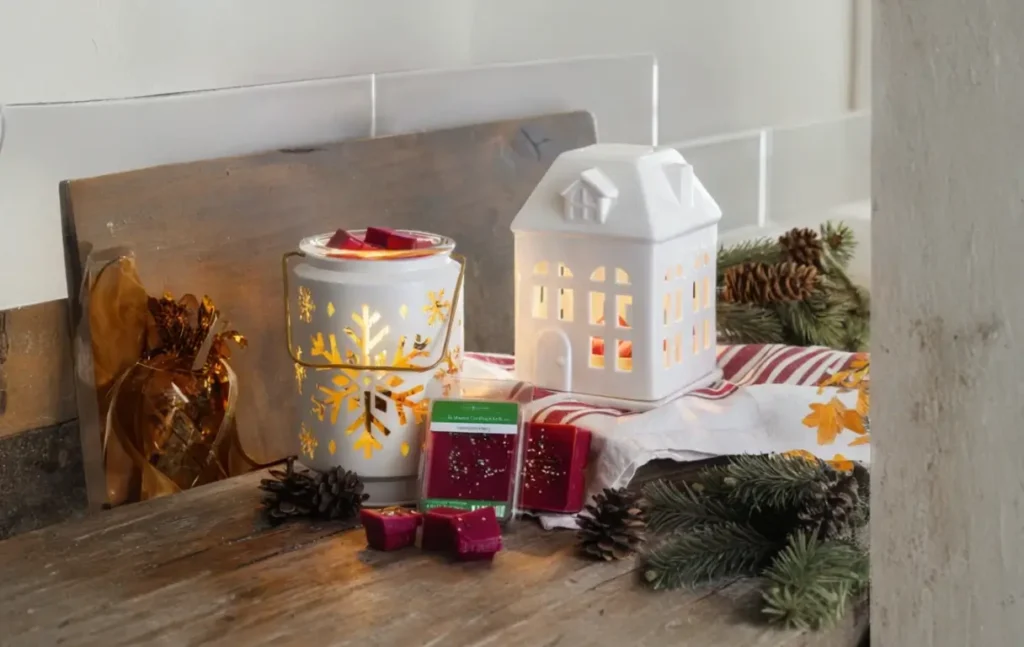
column 491, row 358
column 785, row 366
column 722, row 390
column 769, row 359
column 739, row 361
column 809, row 378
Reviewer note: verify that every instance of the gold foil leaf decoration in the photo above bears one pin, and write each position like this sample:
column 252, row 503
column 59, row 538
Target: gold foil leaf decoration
column 330, row 309
column 405, row 449
column 306, row 305
column 332, row 447
column 403, row 311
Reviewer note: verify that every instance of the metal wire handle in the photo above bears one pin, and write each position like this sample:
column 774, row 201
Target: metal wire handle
column 458, row 258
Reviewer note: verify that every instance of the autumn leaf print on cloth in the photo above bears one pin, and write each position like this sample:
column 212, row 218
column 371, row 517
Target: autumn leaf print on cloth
column 833, row 417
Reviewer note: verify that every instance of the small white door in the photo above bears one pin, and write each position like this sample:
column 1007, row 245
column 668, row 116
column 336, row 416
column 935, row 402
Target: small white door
column 554, row 360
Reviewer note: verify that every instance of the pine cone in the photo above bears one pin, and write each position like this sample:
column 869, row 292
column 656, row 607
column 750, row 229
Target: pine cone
column 334, row 494
column 802, row 246
column 837, row 511
column 762, row 283
column 612, row 527
column 339, row 494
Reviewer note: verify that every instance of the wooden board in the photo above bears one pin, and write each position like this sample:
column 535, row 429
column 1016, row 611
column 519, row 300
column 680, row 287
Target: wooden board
column 36, row 372
column 199, row 569
column 219, row 227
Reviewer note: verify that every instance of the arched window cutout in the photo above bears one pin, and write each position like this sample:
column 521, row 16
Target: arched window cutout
column 696, row 299
column 541, row 267
column 707, row 259
column 707, row 334
column 679, row 270
column 696, row 261
column 563, row 270
column 668, row 274
column 666, row 353
column 621, row 277
column 666, row 309
column 696, row 343
column 598, row 275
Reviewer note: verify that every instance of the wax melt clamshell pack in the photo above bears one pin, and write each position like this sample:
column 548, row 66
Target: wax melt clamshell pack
column 473, row 452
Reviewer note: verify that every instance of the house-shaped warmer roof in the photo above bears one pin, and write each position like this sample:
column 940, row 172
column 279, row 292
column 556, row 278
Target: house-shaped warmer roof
column 641, row 193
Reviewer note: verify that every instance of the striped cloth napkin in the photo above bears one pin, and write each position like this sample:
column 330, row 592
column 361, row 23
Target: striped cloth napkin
column 769, row 400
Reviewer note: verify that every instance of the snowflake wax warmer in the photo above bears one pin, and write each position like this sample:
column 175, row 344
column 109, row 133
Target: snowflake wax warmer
column 369, row 331
column 472, row 455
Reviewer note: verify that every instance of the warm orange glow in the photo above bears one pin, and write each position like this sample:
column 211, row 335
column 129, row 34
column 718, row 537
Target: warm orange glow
column 596, row 352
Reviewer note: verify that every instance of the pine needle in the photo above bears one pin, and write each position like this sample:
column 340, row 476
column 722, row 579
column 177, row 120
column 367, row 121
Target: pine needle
column 775, row 482
column 746, row 323
column 811, row 584
column 761, row 250
column 677, row 508
column 706, row 554
column 840, row 242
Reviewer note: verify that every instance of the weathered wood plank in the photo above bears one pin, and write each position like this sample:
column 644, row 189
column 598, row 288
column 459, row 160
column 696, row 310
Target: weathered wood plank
column 219, row 227
column 948, row 454
column 36, row 372
column 198, row 568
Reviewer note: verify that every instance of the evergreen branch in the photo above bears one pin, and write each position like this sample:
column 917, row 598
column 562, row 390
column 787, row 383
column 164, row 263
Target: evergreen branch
column 840, row 241
column 761, row 250
column 816, row 321
column 810, row 584
column 672, row 508
column 745, row 323
column 706, row 554
column 776, row 482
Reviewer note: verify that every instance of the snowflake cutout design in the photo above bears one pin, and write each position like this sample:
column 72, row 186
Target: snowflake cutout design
column 300, row 371
column 449, row 370
column 373, row 393
column 308, row 440
column 437, row 308
column 306, row 305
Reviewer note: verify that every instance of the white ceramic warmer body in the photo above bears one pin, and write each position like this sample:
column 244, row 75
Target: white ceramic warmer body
column 386, row 312
column 615, row 256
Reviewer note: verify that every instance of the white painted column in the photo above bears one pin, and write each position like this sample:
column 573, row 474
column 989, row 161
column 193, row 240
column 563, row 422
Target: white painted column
column 948, row 345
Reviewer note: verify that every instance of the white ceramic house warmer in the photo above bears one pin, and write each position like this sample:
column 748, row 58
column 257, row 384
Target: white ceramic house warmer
column 367, row 332
column 615, row 256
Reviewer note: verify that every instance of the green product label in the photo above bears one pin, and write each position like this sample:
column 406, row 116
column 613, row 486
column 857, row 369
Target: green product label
column 474, row 416
column 464, row 504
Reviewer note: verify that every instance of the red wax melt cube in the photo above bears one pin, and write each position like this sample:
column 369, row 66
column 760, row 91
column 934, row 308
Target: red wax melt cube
column 554, row 469
column 438, row 532
column 390, row 528
column 392, row 239
column 471, row 466
column 344, row 240
column 477, row 534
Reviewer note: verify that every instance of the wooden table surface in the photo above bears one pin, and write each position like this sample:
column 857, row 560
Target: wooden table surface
column 199, row 568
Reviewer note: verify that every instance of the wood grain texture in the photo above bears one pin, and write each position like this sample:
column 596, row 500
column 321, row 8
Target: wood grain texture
column 219, row 227
column 948, row 492
column 199, row 569
column 36, row 373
